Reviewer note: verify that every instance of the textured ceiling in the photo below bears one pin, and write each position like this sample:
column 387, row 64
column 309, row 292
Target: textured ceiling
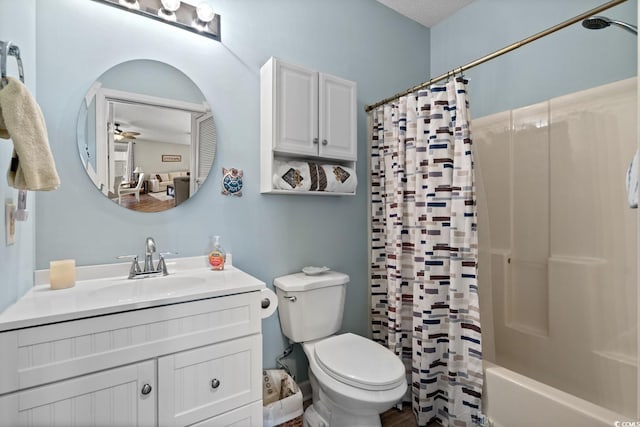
column 426, row 12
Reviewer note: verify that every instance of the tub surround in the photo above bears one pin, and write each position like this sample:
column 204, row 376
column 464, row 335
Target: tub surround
column 169, row 350
column 559, row 242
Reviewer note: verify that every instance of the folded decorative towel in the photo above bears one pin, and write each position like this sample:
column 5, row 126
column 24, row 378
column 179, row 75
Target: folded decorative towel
column 632, row 182
column 291, row 175
column 32, row 166
column 310, row 176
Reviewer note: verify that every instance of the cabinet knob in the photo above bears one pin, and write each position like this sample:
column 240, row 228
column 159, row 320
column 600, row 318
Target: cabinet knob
column 215, row 383
column 315, row 140
column 146, row 389
column 324, row 142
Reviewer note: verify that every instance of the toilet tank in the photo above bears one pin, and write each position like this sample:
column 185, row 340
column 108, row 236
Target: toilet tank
column 310, row 307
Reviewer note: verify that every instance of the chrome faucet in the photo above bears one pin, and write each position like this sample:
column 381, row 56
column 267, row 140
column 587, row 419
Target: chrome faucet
column 148, row 258
column 149, row 270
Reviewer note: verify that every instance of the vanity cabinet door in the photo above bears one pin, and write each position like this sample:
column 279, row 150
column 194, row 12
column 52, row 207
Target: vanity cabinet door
column 123, row 396
column 199, row 384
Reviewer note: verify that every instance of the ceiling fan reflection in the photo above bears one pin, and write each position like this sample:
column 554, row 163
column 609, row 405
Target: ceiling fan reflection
column 119, row 134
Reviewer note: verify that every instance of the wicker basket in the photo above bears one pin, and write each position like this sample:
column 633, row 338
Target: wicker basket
column 281, row 399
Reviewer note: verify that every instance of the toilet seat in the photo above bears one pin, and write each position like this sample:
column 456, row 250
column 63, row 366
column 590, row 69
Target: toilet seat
column 359, row 362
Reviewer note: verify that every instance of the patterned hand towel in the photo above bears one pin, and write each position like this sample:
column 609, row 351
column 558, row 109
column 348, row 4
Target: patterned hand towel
column 632, row 182
column 32, row 166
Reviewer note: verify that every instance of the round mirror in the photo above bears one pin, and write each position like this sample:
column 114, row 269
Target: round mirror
column 146, row 136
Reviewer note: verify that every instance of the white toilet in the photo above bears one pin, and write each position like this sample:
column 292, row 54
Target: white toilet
column 353, row 379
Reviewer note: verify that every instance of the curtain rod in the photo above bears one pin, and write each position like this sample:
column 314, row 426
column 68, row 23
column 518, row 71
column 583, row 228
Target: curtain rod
column 499, row 52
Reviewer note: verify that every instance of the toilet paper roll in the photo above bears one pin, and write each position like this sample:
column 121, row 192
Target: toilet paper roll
column 269, row 302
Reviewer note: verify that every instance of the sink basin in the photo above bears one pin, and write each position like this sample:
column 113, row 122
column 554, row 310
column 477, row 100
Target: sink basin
column 131, row 290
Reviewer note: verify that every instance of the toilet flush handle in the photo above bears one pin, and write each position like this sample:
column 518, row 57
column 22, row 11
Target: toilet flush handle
column 292, row 299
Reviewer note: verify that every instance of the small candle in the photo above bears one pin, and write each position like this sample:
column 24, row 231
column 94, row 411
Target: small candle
column 62, row 273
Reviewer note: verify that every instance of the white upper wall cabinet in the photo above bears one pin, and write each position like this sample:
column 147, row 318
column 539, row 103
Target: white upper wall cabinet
column 305, row 115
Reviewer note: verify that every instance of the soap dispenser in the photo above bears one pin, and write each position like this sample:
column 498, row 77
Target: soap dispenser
column 217, row 256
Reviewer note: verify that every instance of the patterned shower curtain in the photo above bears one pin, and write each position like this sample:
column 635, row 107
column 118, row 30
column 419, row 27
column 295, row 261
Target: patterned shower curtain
column 425, row 251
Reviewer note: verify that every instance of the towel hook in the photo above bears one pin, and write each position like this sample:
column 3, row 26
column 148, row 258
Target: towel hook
column 4, row 53
column 8, row 49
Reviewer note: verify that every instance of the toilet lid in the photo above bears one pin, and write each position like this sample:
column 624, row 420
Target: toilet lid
column 357, row 361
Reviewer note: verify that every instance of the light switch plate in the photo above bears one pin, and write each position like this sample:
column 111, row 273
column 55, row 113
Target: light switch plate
column 10, row 222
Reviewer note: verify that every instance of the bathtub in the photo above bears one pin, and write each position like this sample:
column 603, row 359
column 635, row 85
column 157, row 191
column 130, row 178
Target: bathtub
column 513, row 400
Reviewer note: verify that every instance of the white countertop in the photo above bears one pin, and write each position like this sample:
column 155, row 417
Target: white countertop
column 105, row 289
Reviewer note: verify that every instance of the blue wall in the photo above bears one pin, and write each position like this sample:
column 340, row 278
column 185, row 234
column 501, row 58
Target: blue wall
column 269, row 236
column 17, row 24
column 567, row 61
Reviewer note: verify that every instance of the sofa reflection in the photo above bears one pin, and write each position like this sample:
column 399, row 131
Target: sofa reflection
column 158, row 182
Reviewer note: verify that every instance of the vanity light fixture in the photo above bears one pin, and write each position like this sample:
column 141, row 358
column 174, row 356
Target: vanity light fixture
column 199, row 19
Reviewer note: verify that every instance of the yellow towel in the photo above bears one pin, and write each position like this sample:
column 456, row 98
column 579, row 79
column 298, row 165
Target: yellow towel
column 32, row 166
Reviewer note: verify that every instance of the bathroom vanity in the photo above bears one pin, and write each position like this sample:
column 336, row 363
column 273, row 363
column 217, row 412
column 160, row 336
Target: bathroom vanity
column 183, row 349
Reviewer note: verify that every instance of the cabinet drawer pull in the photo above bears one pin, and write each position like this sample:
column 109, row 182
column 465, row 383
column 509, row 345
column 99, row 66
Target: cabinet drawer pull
column 146, row 389
column 324, row 142
column 215, row 383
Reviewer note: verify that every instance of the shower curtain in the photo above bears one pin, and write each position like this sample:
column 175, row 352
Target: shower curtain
column 424, row 250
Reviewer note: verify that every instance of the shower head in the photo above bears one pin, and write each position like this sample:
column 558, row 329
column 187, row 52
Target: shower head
column 600, row 22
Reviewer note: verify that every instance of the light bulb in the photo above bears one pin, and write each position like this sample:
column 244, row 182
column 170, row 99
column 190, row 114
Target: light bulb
column 167, row 11
column 131, row 4
column 204, row 13
column 170, row 5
